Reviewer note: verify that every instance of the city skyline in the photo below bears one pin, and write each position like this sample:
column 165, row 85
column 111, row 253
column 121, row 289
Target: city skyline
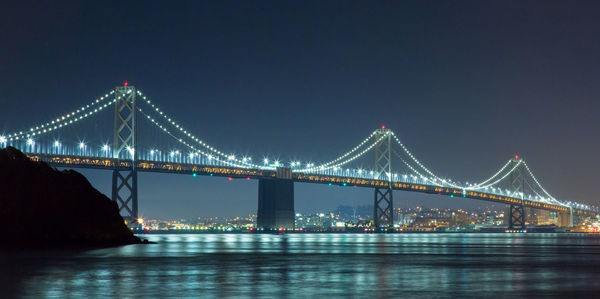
column 359, row 220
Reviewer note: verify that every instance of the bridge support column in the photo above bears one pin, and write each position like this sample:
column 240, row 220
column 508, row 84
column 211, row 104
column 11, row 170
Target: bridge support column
column 516, row 217
column 124, row 180
column 383, row 208
column 124, row 192
column 383, row 203
column 276, row 202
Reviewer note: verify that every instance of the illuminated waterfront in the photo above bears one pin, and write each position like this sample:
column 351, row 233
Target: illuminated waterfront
column 315, row 265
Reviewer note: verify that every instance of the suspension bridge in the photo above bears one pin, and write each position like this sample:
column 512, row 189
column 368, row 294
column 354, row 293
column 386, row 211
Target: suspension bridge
column 390, row 165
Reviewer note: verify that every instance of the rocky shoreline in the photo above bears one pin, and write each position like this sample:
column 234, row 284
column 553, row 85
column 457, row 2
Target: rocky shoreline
column 42, row 207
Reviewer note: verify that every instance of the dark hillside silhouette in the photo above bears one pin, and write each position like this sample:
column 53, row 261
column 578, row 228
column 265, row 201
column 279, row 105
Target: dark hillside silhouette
column 41, row 206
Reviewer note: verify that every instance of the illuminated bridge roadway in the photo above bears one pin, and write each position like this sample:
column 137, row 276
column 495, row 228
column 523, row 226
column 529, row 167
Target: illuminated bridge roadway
column 394, row 167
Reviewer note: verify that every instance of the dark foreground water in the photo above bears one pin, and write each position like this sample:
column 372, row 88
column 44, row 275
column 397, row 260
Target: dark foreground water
column 315, row 266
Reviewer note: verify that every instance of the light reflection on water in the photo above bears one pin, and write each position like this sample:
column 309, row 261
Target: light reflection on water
column 315, row 265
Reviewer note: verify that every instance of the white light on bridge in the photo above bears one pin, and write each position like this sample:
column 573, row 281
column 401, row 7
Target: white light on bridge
column 105, row 147
column 81, row 145
column 266, row 161
column 2, row 139
column 56, row 143
column 30, row 141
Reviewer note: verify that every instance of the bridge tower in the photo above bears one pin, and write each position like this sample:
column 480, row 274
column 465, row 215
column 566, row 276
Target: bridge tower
column 516, row 217
column 383, row 207
column 124, row 180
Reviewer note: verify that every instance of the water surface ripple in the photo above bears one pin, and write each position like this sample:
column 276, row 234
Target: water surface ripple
column 315, row 266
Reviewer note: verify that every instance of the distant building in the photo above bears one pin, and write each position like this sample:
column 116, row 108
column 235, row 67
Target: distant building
column 461, row 218
column 564, row 220
column 430, row 222
column 544, row 217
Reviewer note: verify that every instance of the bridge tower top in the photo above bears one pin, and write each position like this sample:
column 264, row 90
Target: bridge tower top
column 517, row 178
column 125, row 129
column 383, row 154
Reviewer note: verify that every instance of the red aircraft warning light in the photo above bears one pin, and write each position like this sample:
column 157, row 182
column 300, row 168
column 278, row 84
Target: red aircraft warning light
column 383, row 127
column 516, row 156
column 125, row 84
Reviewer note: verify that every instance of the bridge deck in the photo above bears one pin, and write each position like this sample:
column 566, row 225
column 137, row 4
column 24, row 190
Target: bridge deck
column 226, row 171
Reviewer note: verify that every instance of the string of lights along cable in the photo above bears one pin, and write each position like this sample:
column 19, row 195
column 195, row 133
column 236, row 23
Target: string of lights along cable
column 42, row 138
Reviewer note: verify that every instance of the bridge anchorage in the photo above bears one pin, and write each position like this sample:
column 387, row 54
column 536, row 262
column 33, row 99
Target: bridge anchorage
column 394, row 166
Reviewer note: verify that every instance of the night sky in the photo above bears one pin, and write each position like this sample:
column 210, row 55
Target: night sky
column 466, row 85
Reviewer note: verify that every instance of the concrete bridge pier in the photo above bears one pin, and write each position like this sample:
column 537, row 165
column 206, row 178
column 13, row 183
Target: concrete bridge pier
column 276, row 201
